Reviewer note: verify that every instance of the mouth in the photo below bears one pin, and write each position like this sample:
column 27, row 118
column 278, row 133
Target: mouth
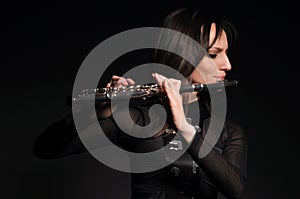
column 220, row 77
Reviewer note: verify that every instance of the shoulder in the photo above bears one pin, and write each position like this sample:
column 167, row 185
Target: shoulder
column 233, row 125
column 234, row 129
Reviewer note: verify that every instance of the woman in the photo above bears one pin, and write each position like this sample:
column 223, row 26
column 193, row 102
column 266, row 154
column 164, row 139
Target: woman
column 223, row 169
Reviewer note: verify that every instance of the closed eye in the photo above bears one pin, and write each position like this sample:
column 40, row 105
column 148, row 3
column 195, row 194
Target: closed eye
column 213, row 56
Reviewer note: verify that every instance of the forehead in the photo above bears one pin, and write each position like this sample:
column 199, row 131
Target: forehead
column 221, row 41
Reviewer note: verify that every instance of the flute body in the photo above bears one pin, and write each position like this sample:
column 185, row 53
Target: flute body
column 142, row 91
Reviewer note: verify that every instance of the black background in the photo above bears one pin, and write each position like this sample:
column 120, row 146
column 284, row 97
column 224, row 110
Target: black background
column 44, row 43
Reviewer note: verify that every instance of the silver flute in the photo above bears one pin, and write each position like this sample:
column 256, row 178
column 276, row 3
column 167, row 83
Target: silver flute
column 143, row 92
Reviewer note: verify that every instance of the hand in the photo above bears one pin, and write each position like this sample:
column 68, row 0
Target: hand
column 104, row 109
column 118, row 82
column 171, row 87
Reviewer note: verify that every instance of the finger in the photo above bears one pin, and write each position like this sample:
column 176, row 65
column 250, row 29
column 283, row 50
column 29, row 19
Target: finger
column 175, row 83
column 130, row 81
column 117, row 81
column 171, row 87
column 121, row 82
column 115, row 78
column 159, row 78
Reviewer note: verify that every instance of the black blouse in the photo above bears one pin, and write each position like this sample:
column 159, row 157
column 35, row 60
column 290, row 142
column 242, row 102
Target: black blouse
column 222, row 170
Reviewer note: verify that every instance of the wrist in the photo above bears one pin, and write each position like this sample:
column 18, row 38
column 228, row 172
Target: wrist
column 188, row 131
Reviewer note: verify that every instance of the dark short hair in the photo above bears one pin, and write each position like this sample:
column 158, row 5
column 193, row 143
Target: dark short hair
column 196, row 24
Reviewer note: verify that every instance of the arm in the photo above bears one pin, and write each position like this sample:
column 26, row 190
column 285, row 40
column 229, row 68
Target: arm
column 61, row 138
column 53, row 141
column 226, row 170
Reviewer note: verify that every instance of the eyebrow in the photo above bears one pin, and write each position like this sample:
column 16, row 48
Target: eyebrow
column 217, row 48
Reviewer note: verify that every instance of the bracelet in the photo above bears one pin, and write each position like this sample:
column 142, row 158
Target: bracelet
column 197, row 128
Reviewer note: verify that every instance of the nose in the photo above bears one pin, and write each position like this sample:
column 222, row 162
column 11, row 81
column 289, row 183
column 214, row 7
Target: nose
column 225, row 64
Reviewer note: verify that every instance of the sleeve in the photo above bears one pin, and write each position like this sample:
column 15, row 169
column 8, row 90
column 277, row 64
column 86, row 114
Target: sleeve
column 228, row 169
column 61, row 138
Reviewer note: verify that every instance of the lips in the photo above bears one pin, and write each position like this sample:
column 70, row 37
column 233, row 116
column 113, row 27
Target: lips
column 220, row 77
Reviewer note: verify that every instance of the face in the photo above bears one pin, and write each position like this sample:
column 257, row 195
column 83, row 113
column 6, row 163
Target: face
column 213, row 68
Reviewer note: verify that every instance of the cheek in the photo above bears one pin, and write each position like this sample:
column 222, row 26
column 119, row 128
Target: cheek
column 195, row 76
column 208, row 66
column 205, row 71
column 216, row 63
column 208, row 69
column 199, row 75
